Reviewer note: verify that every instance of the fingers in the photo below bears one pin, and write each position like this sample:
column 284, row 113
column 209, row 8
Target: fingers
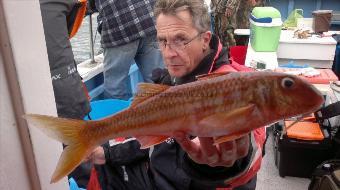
column 242, row 146
column 97, row 156
column 190, row 147
column 87, row 159
column 209, row 151
column 228, row 153
column 201, row 150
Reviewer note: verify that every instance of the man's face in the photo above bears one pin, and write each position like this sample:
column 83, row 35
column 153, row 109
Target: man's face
column 184, row 44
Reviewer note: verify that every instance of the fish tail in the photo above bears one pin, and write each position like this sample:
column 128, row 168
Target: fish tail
column 67, row 131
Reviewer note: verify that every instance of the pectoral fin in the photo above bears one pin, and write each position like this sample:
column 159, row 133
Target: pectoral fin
column 226, row 138
column 221, row 119
column 148, row 141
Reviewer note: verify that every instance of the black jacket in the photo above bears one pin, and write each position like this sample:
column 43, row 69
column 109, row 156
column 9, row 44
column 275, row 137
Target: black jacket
column 168, row 167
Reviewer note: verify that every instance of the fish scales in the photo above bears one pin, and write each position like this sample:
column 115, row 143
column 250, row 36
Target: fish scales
column 159, row 111
column 178, row 103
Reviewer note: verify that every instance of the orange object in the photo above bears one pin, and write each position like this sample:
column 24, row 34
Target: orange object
column 81, row 10
column 304, row 130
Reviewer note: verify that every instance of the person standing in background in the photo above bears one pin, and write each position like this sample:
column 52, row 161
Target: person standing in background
column 60, row 23
column 246, row 6
column 128, row 35
column 224, row 13
column 243, row 13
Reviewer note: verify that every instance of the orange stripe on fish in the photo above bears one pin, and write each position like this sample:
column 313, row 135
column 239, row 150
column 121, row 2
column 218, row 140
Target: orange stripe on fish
column 224, row 107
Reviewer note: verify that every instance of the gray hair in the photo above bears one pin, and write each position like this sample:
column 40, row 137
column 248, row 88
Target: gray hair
column 197, row 8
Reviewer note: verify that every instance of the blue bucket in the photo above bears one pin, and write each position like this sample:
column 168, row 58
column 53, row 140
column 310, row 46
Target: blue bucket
column 73, row 185
column 99, row 110
column 104, row 108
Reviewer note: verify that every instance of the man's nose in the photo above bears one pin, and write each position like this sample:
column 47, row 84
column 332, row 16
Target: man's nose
column 169, row 51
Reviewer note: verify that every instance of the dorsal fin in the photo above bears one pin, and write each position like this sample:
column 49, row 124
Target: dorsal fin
column 210, row 75
column 146, row 91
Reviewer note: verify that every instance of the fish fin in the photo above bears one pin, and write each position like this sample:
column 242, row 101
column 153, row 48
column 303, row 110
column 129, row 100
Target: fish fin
column 220, row 119
column 227, row 138
column 148, row 141
column 71, row 157
column 67, row 131
column 210, row 75
column 146, row 91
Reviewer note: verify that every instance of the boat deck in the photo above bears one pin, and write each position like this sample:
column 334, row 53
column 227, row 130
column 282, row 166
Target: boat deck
column 268, row 177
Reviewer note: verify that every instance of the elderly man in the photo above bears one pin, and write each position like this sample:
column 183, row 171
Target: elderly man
column 189, row 49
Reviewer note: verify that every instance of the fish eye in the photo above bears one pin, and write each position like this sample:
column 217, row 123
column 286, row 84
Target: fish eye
column 287, row 82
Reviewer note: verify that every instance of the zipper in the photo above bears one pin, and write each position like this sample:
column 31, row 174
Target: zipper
column 126, row 177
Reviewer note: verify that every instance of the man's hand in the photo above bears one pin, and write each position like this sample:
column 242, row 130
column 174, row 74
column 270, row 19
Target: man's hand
column 228, row 12
column 202, row 151
column 97, row 156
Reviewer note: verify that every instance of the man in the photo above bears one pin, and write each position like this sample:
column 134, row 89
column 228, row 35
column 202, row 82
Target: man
column 189, row 49
column 70, row 96
column 128, row 35
column 224, row 14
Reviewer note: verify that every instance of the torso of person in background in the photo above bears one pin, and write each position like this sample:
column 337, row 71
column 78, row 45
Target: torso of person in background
column 245, row 8
column 122, row 22
column 224, row 20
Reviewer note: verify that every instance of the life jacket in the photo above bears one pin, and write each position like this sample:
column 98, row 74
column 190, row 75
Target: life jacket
column 75, row 18
column 259, row 133
column 232, row 67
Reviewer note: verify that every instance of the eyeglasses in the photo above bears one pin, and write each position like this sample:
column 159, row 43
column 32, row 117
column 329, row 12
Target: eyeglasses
column 177, row 44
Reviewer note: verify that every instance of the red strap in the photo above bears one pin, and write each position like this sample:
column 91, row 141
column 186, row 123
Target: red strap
column 86, row 91
column 225, row 69
column 233, row 67
column 219, row 49
column 93, row 182
column 240, row 68
column 260, row 136
column 249, row 175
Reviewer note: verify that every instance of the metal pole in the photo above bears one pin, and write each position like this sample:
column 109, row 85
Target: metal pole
column 91, row 40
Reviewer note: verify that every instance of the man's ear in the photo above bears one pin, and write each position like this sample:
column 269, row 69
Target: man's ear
column 206, row 36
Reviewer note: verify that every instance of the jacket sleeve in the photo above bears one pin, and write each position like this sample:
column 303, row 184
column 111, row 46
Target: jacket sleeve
column 233, row 4
column 124, row 152
column 240, row 173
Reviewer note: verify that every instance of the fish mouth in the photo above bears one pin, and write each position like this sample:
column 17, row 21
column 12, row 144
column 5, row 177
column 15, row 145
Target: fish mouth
column 314, row 104
column 316, row 100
